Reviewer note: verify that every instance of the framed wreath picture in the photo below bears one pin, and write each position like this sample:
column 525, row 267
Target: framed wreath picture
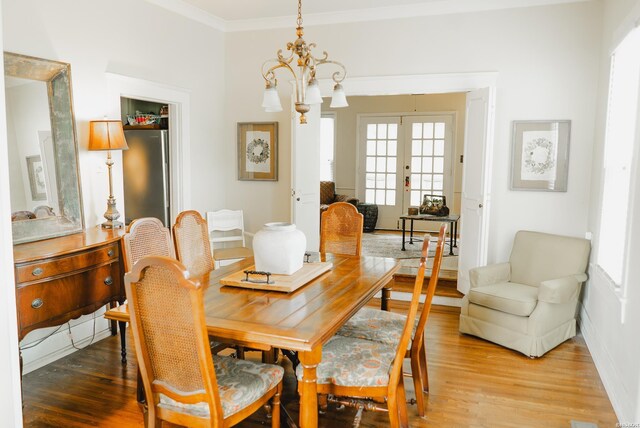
column 540, row 155
column 258, row 151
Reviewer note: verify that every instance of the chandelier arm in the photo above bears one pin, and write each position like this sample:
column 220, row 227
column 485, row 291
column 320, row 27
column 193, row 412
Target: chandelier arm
column 339, row 75
column 269, row 74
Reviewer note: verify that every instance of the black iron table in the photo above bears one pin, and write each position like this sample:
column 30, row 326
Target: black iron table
column 452, row 219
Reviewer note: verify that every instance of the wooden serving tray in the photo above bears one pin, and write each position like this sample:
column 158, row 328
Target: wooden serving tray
column 284, row 283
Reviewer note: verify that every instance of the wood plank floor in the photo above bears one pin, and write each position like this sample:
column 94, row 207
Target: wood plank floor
column 473, row 383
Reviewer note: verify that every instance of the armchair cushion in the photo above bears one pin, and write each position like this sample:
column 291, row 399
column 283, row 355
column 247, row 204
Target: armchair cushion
column 509, row 297
column 328, row 196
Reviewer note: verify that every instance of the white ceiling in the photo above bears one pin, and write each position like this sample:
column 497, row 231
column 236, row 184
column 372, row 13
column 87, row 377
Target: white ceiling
column 244, row 15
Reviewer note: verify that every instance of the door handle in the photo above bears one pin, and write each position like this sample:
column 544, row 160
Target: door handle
column 479, row 205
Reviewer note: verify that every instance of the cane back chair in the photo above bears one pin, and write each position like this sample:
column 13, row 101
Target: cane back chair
column 184, row 384
column 147, row 236
column 192, row 242
column 341, row 229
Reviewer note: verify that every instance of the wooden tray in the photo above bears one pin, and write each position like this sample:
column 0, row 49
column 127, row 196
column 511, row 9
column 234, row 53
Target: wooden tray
column 284, row 283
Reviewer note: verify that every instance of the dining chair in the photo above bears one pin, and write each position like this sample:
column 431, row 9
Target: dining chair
column 146, row 236
column 227, row 227
column 362, row 373
column 341, row 229
column 184, row 383
column 190, row 236
column 387, row 327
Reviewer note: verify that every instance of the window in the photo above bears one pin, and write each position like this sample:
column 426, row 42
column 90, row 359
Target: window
column 427, row 160
column 327, row 147
column 620, row 135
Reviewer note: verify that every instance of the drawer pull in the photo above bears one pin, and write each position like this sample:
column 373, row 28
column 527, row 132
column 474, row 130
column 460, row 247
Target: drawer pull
column 37, row 271
column 108, row 281
column 37, row 303
column 110, row 253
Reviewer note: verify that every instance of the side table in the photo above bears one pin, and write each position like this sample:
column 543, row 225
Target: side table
column 370, row 213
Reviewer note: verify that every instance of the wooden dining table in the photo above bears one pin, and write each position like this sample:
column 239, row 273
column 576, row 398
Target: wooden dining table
column 300, row 321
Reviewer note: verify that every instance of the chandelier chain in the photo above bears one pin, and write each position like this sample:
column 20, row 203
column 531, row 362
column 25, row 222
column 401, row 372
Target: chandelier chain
column 299, row 20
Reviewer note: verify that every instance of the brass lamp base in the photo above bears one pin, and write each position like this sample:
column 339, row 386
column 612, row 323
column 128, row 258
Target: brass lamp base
column 112, row 215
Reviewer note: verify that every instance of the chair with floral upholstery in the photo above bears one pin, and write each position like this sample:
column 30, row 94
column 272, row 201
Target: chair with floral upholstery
column 361, row 373
column 191, row 237
column 184, row 384
column 386, row 327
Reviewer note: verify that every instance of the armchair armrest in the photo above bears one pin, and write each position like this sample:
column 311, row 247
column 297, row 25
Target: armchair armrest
column 491, row 274
column 561, row 290
column 346, row 198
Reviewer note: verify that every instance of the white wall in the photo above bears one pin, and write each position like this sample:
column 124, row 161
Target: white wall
column 547, row 60
column 10, row 399
column 609, row 323
column 136, row 39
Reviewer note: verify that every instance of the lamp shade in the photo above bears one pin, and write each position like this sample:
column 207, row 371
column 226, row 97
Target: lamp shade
column 271, row 100
column 106, row 135
column 313, row 95
column 338, row 99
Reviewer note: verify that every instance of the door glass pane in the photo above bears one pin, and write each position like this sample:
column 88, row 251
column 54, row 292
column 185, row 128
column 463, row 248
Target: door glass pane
column 438, row 148
column 382, row 148
column 427, row 148
column 382, row 131
column 381, row 164
column 415, row 198
column 392, row 131
column 371, row 164
column 426, row 165
column 371, row 147
column 380, row 178
column 439, row 130
column 415, row 181
column 371, row 131
column 380, row 197
column 392, row 148
column 416, row 131
column 391, row 181
column 391, row 197
column 437, row 182
column 438, row 165
column 370, row 180
column 426, row 182
column 428, row 130
column 416, row 148
column 416, row 164
column 391, row 164
column 369, row 196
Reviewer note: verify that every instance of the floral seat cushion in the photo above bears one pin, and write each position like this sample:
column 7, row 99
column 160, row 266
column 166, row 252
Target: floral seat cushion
column 348, row 361
column 240, row 383
column 375, row 325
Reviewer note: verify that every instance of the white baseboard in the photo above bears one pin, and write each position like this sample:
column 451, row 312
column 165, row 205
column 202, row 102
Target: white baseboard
column 403, row 296
column 59, row 344
column 606, row 369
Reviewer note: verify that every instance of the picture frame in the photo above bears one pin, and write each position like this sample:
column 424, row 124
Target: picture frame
column 540, row 155
column 258, row 151
column 37, row 178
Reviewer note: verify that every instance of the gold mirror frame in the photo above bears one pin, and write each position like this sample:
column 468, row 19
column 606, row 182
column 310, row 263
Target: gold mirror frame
column 57, row 76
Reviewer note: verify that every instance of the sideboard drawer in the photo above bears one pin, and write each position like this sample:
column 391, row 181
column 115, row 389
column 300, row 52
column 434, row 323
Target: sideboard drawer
column 42, row 302
column 66, row 264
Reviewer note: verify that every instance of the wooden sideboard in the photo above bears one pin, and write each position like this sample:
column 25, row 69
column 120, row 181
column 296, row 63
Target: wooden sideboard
column 60, row 279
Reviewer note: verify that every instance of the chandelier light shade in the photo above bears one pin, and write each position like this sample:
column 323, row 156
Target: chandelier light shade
column 108, row 135
column 307, row 90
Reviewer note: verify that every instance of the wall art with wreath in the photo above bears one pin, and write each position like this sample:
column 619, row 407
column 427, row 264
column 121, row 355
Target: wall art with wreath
column 540, row 155
column 258, row 151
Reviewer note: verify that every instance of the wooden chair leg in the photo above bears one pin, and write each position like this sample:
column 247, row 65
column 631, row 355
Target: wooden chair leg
column 275, row 408
column 240, row 352
column 402, row 404
column 423, row 368
column 416, row 374
column 323, row 403
column 394, row 416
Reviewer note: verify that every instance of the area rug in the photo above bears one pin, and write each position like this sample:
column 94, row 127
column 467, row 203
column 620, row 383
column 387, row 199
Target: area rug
column 390, row 245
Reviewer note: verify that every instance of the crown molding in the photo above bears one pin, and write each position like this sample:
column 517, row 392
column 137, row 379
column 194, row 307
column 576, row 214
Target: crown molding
column 189, row 11
column 432, row 8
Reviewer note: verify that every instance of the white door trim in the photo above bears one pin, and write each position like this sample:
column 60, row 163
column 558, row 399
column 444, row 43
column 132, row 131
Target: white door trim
column 178, row 100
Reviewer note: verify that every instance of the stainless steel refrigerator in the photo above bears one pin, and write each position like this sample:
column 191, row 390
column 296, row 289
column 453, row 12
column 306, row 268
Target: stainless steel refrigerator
column 146, row 175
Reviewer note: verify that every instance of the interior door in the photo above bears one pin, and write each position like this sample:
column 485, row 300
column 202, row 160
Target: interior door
column 305, row 176
column 475, row 184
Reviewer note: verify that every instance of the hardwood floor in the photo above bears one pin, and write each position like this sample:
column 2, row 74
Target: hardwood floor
column 473, row 383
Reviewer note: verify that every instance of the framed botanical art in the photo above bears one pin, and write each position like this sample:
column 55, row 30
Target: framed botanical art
column 540, row 155
column 258, row 151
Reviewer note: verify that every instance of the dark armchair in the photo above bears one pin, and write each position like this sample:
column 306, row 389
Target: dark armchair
column 328, row 196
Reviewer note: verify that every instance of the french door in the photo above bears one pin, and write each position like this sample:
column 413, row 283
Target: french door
column 401, row 159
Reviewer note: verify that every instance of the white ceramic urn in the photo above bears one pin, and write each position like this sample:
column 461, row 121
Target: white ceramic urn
column 279, row 248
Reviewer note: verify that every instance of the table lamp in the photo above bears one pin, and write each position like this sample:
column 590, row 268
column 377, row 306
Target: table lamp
column 108, row 135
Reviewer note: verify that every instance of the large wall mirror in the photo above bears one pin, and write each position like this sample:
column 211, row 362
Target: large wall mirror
column 43, row 154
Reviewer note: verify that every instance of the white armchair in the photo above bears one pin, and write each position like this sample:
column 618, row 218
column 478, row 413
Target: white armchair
column 529, row 303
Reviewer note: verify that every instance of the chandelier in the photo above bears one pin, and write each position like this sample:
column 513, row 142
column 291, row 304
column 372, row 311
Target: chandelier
column 306, row 86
